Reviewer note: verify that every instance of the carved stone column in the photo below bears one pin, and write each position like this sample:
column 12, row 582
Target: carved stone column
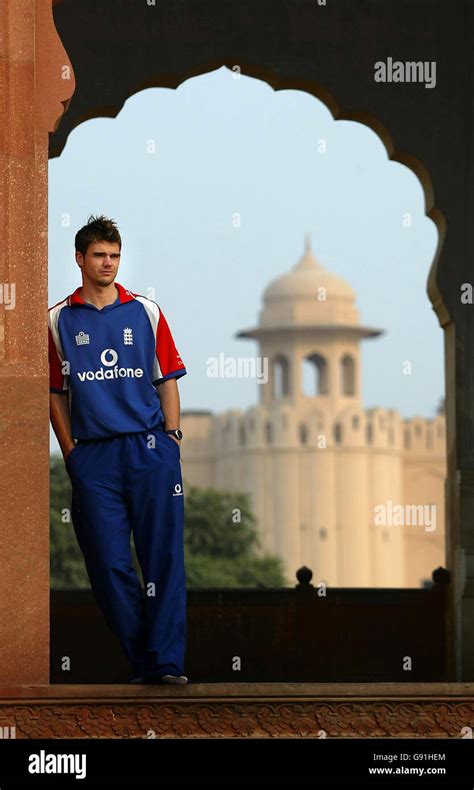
column 36, row 84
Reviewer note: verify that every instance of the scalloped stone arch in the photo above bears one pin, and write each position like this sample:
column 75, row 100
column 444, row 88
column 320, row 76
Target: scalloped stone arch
column 317, row 90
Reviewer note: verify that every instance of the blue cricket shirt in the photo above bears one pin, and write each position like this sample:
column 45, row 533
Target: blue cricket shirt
column 109, row 362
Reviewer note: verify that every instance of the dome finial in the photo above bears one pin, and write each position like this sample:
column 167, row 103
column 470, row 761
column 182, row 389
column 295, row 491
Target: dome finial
column 307, row 260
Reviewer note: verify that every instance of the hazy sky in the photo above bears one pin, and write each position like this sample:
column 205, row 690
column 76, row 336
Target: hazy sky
column 176, row 167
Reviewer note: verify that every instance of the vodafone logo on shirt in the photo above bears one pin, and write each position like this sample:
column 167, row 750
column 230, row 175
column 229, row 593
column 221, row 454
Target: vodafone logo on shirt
column 109, row 358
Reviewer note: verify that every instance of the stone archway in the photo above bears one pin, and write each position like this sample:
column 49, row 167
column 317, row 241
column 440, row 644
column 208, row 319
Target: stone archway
column 37, row 84
column 107, row 99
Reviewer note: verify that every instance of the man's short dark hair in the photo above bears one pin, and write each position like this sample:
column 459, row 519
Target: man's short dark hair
column 97, row 229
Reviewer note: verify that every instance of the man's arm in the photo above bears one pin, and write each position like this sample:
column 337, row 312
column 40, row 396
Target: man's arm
column 61, row 421
column 170, row 404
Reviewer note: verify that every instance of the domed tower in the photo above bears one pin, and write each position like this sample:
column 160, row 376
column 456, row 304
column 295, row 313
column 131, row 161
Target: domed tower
column 309, row 317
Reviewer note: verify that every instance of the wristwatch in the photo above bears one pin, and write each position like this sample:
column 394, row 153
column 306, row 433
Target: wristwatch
column 176, row 432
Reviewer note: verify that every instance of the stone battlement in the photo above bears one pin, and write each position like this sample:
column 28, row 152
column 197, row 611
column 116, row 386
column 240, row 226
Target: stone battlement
column 258, row 427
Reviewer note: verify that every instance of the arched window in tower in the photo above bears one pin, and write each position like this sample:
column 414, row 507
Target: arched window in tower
column 338, row 432
column 303, row 433
column 281, row 378
column 268, row 432
column 347, row 374
column 315, row 376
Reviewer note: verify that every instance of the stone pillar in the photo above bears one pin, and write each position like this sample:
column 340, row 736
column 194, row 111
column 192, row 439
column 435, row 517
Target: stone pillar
column 36, row 83
column 457, row 319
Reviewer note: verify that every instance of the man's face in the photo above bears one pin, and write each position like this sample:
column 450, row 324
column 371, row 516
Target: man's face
column 100, row 263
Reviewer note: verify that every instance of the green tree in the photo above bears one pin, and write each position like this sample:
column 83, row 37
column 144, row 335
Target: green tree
column 66, row 561
column 221, row 542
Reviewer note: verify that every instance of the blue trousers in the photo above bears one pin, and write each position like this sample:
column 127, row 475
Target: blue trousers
column 128, row 482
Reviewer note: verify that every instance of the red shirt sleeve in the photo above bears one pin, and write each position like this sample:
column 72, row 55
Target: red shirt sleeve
column 170, row 364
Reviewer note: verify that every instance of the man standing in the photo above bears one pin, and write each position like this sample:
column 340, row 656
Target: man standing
column 113, row 387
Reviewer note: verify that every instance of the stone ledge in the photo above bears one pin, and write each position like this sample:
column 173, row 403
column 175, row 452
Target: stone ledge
column 234, row 710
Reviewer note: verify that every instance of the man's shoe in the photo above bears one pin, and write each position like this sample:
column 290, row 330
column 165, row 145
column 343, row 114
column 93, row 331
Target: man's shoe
column 165, row 679
column 178, row 679
column 137, row 680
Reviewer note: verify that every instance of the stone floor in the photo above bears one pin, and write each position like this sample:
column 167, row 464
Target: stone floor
column 241, row 710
